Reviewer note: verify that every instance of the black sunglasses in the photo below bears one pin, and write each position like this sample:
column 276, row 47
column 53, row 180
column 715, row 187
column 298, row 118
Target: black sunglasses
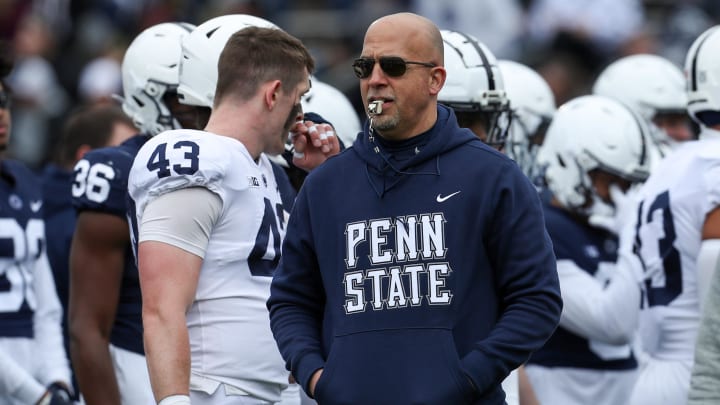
column 393, row 66
column 4, row 99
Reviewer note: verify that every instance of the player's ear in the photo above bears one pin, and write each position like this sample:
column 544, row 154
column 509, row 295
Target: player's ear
column 272, row 91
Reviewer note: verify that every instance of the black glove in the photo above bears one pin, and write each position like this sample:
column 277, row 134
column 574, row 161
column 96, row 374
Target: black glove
column 56, row 394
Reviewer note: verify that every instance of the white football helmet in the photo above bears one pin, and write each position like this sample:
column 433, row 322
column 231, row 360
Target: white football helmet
column 702, row 69
column 649, row 84
column 588, row 133
column 474, row 85
column 150, row 68
column 201, row 52
column 533, row 106
column 335, row 107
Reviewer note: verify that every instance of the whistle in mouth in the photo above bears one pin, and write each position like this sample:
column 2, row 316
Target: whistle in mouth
column 375, row 107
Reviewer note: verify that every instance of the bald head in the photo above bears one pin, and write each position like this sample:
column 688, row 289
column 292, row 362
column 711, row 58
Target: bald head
column 420, row 34
column 409, row 94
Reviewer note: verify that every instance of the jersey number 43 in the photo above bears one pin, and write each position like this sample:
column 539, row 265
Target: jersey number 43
column 266, row 253
column 654, row 244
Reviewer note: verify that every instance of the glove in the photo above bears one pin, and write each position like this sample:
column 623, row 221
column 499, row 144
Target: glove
column 56, row 394
column 624, row 214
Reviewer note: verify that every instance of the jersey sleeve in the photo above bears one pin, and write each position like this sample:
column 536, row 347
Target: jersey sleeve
column 100, row 181
column 18, row 381
column 712, row 184
column 596, row 311
column 48, row 332
column 181, row 159
column 164, row 219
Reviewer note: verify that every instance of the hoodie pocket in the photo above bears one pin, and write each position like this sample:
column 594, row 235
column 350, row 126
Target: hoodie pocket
column 414, row 366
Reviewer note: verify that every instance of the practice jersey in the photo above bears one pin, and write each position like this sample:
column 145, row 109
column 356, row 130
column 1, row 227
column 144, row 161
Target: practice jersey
column 674, row 202
column 100, row 184
column 594, row 251
column 229, row 330
column 30, row 313
column 22, row 245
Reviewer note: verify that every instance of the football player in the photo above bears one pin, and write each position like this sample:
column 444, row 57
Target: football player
column 533, row 106
column 474, row 88
column 105, row 301
column 210, row 218
column 677, row 238
column 33, row 363
column 86, row 129
column 595, row 149
column 655, row 89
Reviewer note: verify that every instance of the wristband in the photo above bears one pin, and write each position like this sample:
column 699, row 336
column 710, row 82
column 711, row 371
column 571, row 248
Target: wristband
column 175, row 400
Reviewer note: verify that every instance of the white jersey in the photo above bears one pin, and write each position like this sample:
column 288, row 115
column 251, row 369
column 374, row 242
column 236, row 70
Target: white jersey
column 675, row 200
column 228, row 324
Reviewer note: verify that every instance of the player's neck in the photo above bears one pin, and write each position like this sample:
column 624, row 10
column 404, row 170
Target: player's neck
column 237, row 122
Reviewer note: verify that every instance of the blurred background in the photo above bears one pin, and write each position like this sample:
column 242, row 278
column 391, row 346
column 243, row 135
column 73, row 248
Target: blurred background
column 68, row 53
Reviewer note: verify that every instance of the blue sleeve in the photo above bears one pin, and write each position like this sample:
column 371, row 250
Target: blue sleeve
column 526, row 280
column 297, row 300
column 100, row 181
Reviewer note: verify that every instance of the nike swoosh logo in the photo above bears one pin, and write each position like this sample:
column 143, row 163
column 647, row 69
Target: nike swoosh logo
column 440, row 198
column 36, row 205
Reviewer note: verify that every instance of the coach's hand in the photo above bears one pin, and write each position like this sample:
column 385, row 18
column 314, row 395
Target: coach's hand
column 313, row 381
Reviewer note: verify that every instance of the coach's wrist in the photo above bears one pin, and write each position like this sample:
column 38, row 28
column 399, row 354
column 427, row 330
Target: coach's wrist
column 175, row 400
column 313, row 381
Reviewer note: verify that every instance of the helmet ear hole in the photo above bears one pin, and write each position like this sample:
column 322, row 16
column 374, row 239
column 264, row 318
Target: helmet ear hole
column 151, row 89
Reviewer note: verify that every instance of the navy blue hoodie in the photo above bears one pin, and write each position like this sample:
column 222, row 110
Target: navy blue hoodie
column 418, row 277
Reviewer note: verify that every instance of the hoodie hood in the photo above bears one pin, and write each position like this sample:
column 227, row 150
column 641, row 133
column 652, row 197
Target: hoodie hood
column 387, row 162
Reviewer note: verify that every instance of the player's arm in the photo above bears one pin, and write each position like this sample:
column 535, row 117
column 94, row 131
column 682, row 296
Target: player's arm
column 596, row 311
column 16, row 382
column 174, row 231
column 47, row 324
column 705, row 382
column 313, row 143
column 97, row 260
column 709, row 254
